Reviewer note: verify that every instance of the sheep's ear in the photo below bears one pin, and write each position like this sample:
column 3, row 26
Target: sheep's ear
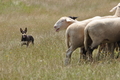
column 70, row 20
column 113, row 9
column 25, row 30
column 21, row 30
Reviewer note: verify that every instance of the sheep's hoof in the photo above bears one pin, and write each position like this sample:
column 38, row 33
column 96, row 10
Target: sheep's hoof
column 67, row 61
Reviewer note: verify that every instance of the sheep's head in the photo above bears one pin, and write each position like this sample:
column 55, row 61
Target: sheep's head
column 63, row 23
column 117, row 8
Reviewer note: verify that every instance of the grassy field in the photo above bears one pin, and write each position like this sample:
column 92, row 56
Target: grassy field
column 45, row 60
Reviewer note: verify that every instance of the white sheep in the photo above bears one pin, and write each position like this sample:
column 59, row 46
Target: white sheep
column 109, row 46
column 101, row 31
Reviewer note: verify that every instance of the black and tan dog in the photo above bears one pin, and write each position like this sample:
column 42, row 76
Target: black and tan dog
column 26, row 39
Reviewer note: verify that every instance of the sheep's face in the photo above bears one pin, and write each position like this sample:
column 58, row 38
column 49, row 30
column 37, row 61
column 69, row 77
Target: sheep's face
column 117, row 13
column 62, row 23
column 117, row 8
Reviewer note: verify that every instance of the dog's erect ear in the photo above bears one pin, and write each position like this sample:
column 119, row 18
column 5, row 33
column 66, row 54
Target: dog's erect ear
column 25, row 30
column 21, row 30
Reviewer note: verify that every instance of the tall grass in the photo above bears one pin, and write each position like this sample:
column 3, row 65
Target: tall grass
column 45, row 60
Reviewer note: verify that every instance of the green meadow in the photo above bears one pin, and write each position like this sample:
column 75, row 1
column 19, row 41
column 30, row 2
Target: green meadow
column 45, row 60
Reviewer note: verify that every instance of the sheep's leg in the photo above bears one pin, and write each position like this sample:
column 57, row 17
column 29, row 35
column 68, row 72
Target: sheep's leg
column 118, row 50
column 94, row 45
column 98, row 53
column 108, row 47
column 82, row 54
column 89, row 54
column 112, row 45
column 118, row 54
column 101, row 49
column 68, row 55
column 110, row 50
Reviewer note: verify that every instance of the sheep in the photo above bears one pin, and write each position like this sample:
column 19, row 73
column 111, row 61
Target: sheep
column 73, row 27
column 71, row 32
column 108, row 31
column 109, row 46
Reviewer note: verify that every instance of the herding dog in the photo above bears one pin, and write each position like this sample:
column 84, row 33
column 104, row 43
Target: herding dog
column 26, row 39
